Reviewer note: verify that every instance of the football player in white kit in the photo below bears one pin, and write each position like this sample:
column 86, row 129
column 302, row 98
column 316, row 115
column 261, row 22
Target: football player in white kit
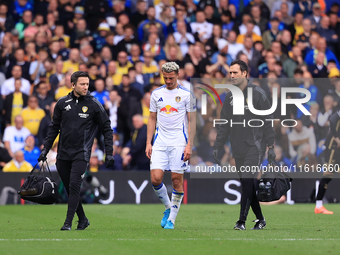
column 173, row 115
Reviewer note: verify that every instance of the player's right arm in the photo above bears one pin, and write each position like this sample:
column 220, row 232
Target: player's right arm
column 151, row 125
column 150, row 132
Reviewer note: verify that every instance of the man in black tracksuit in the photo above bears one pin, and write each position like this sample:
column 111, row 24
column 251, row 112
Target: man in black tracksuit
column 332, row 161
column 76, row 117
column 248, row 144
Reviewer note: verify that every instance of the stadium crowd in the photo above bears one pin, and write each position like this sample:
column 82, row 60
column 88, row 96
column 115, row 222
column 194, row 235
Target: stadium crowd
column 123, row 44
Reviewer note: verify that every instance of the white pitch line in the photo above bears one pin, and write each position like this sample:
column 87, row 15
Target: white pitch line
column 175, row 239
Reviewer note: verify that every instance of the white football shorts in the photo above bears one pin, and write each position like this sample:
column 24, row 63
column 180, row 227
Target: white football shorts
column 168, row 158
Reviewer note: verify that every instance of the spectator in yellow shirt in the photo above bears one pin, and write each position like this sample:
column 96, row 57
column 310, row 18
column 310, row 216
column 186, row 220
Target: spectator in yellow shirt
column 148, row 67
column 123, row 65
column 72, row 65
column 66, row 88
column 18, row 164
column 60, row 33
column 250, row 26
column 112, row 72
column 32, row 115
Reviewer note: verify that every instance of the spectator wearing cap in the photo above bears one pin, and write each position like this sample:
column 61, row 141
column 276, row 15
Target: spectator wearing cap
column 99, row 37
column 249, row 32
column 303, row 6
column 315, row 17
column 271, row 35
column 144, row 26
column 222, row 45
column 18, row 7
column 59, row 33
column 201, row 27
column 321, row 46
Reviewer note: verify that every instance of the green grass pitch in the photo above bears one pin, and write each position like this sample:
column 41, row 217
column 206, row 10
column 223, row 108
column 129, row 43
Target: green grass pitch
column 199, row 229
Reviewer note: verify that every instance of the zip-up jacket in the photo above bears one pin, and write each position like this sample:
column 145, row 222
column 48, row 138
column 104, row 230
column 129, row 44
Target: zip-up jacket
column 76, row 118
column 243, row 136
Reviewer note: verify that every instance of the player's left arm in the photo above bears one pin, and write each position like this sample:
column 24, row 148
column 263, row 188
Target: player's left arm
column 191, row 113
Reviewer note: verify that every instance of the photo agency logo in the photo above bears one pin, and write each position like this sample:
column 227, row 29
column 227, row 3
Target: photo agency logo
column 239, row 104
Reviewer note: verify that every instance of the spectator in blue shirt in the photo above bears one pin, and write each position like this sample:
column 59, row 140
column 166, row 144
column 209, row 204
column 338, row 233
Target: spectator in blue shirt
column 280, row 159
column 19, row 6
column 100, row 94
column 31, row 152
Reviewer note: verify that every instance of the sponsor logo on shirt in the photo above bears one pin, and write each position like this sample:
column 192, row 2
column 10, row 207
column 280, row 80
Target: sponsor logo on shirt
column 168, row 109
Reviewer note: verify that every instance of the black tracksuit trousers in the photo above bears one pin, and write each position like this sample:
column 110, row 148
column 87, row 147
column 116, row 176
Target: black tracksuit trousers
column 248, row 179
column 71, row 173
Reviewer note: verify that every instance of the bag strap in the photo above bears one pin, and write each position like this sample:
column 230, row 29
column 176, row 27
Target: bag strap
column 47, row 167
column 34, row 168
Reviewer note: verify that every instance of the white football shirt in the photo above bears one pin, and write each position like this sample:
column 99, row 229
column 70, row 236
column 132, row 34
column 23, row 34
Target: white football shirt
column 172, row 120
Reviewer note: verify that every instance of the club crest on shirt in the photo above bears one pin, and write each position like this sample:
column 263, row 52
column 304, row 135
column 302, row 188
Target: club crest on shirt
column 178, row 99
column 84, row 108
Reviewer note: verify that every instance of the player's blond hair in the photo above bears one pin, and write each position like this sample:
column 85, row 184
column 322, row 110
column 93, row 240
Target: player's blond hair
column 170, row 67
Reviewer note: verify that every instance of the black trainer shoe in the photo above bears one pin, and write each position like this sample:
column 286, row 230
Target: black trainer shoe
column 82, row 224
column 66, row 227
column 240, row 225
column 260, row 224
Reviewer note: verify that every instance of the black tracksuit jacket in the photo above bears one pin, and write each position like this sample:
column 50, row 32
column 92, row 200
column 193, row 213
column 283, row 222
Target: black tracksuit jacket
column 77, row 119
column 246, row 140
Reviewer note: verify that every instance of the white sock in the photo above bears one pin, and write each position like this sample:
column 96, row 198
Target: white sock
column 176, row 203
column 162, row 194
column 318, row 203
